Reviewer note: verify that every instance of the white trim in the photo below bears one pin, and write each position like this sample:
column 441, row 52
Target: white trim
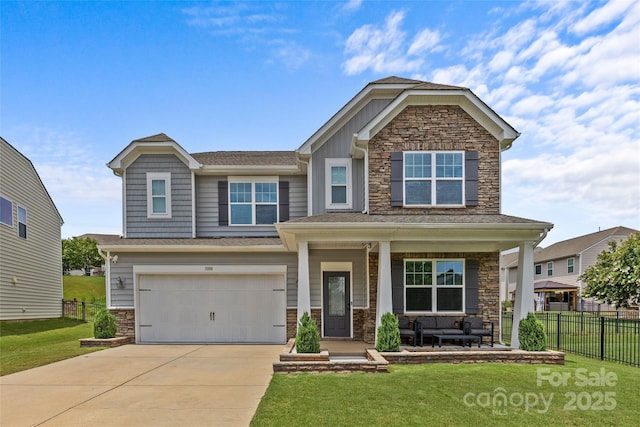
column 10, row 201
column 18, row 222
column 253, row 180
column 573, row 265
column 226, row 269
column 329, row 163
column 434, row 179
column 193, row 205
column 124, row 204
column 434, row 285
column 310, row 187
column 136, row 148
column 159, row 176
column 336, row 267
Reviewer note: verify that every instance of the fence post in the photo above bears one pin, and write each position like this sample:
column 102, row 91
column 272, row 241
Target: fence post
column 601, row 337
column 558, row 331
column 84, row 312
column 63, row 313
column 617, row 319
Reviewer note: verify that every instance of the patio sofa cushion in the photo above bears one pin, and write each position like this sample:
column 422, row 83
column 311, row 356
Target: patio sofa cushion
column 405, row 330
column 477, row 326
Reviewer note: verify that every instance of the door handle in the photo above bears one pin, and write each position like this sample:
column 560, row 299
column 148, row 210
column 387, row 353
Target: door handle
column 212, row 315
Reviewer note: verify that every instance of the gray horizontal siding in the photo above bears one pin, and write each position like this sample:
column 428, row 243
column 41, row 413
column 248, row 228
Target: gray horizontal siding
column 35, row 262
column 338, row 146
column 124, row 269
column 207, row 208
column 359, row 285
column 137, row 223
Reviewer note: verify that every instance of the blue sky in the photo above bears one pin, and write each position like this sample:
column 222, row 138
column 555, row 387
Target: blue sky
column 80, row 80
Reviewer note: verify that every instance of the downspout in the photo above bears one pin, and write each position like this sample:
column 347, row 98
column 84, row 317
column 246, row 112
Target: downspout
column 309, row 181
column 365, row 152
column 107, row 282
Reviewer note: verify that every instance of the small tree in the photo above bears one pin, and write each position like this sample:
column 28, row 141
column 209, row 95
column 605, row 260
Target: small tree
column 388, row 333
column 104, row 324
column 531, row 334
column 308, row 337
column 80, row 253
column 615, row 277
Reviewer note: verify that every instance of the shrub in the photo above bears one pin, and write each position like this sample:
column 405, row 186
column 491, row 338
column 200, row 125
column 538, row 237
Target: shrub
column 104, row 324
column 388, row 333
column 531, row 333
column 308, row 337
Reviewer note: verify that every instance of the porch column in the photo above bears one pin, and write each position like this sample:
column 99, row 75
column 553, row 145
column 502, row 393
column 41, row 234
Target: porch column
column 384, row 303
column 304, row 293
column 523, row 303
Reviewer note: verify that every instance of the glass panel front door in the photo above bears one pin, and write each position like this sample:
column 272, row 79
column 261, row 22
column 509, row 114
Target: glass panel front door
column 336, row 304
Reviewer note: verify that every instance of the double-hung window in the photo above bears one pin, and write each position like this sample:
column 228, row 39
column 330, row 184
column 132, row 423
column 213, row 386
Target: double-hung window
column 253, row 202
column 570, row 265
column 22, row 222
column 338, row 184
column 433, row 178
column 159, row 195
column 549, row 269
column 434, row 285
column 6, row 212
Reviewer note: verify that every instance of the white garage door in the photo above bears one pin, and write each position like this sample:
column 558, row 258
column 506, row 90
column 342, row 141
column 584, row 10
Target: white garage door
column 215, row 308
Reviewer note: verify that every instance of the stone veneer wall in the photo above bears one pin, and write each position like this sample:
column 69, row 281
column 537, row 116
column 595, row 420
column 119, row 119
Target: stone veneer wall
column 434, row 127
column 126, row 321
column 488, row 287
column 292, row 320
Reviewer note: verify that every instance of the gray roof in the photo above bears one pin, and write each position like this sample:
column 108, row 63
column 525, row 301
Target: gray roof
column 547, row 285
column 159, row 137
column 353, row 217
column 419, row 84
column 101, row 239
column 247, row 158
column 204, row 242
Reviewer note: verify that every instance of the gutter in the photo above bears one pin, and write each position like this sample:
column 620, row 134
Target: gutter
column 107, row 283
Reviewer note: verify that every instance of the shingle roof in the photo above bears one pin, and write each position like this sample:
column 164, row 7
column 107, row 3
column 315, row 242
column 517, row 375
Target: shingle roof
column 549, row 285
column 247, row 158
column 160, row 137
column 353, row 217
column 204, row 242
column 419, row 84
column 101, row 239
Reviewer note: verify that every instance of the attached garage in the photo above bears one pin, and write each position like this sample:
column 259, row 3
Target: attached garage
column 215, row 308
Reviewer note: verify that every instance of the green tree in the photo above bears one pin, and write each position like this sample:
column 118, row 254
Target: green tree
column 80, row 253
column 615, row 277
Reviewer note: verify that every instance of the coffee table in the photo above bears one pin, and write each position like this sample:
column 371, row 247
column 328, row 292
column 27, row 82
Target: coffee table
column 461, row 337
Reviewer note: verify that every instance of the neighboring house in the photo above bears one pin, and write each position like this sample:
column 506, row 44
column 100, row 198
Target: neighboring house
column 393, row 205
column 97, row 270
column 30, row 248
column 562, row 263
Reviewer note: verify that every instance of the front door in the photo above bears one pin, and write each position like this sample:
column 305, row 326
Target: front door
column 336, row 304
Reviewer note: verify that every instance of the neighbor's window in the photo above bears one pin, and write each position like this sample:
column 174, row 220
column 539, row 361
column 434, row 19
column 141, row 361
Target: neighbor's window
column 549, row 269
column 253, row 203
column 433, row 178
column 434, row 285
column 6, row 211
column 22, row 222
column 159, row 195
column 538, row 269
column 570, row 264
column 338, row 183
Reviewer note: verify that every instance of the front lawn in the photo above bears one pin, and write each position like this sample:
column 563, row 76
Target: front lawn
column 583, row 392
column 25, row 345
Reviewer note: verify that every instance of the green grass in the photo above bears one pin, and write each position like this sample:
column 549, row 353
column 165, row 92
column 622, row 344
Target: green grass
column 26, row 345
column 434, row 394
column 84, row 288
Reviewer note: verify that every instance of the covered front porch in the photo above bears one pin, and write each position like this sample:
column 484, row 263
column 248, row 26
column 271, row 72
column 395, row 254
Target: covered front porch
column 412, row 265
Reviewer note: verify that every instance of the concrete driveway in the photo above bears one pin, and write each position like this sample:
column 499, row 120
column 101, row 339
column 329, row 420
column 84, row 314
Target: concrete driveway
column 142, row 385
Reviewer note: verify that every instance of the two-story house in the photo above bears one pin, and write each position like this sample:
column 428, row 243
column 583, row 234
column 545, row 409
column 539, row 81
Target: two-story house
column 393, row 205
column 30, row 242
column 557, row 269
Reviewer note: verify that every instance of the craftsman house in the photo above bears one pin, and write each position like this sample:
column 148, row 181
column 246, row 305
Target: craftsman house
column 393, row 205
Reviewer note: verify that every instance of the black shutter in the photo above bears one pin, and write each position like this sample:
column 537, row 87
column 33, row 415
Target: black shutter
column 223, row 203
column 397, row 285
column 283, row 197
column 471, row 283
column 396, row 178
column 471, row 178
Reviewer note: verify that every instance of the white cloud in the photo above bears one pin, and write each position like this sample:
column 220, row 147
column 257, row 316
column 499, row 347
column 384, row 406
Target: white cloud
column 603, row 16
column 425, row 41
column 352, row 5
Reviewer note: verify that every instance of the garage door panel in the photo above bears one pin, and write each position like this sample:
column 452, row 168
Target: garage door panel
column 212, row 308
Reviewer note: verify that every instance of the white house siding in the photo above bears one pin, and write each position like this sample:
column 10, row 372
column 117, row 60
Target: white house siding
column 123, row 269
column 30, row 269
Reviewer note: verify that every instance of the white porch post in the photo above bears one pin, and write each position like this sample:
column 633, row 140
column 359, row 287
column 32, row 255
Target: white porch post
column 304, row 293
column 384, row 302
column 524, row 290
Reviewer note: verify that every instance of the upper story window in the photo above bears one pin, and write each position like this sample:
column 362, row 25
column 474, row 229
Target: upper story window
column 538, row 269
column 159, row 195
column 253, row 202
column 6, row 212
column 549, row 269
column 22, row 222
column 433, row 178
column 338, row 188
column 570, row 265
column 434, row 285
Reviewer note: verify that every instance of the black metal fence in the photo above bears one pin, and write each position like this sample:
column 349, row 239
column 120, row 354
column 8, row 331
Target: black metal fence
column 610, row 335
column 80, row 310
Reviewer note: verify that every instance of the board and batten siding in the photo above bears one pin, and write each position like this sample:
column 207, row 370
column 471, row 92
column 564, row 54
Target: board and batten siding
column 339, row 146
column 31, row 268
column 357, row 258
column 123, row 298
column 137, row 224
column 207, row 211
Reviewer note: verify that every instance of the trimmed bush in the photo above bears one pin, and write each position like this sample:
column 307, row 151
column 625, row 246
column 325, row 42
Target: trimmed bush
column 104, row 324
column 531, row 332
column 308, row 337
column 388, row 333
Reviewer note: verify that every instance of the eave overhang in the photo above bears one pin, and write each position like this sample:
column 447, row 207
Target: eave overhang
column 252, row 170
column 136, row 148
column 160, row 248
